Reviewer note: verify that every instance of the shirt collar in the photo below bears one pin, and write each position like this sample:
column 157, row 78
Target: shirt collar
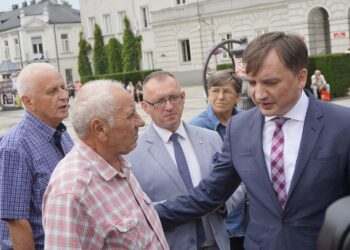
column 212, row 117
column 165, row 134
column 42, row 128
column 100, row 166
column 298, row 112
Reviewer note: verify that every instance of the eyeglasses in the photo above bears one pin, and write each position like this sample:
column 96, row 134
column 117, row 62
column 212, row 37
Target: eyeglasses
column 225, row 92
column 174, row 99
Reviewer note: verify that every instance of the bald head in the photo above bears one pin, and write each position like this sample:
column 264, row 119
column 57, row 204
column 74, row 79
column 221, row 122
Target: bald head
column 317, row 72
column 31, row 75
column 158, row 76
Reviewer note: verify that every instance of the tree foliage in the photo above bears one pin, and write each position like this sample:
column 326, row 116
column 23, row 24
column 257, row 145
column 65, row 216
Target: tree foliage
column 114, row 55
column 66, row 3
column 99, row 53
column 84, row 65
column 131, row 52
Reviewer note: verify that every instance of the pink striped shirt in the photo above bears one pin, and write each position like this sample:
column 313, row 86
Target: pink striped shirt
column 90, row 205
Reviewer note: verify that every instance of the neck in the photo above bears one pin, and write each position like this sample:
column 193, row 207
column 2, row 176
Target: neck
column 224, row 117
column 105, row 153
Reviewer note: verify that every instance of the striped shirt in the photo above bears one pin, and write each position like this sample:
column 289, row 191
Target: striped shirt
column 90, row 205
column 28, row 156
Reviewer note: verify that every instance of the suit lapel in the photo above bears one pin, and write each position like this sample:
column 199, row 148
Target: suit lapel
column 269, row 198
column 160, row 155
column 312, row 128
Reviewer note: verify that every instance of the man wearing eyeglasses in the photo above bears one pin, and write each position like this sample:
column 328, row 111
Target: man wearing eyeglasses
column 172, row 156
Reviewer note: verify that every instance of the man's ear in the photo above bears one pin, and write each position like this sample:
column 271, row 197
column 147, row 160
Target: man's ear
column 100, row 129
column 28, row 103
column 145, row 106
column 302, row 78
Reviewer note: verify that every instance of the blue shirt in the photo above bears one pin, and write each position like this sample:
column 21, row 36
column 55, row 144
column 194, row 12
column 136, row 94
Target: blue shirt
column 207, row 119
column 28, row 157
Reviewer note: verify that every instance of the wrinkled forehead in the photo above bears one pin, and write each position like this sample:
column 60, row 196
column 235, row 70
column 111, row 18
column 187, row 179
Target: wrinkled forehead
column 42, row 79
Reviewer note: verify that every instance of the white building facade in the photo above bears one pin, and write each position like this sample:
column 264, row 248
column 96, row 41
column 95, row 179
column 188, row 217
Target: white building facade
column 180, row 33
column 41, row 32
column 109, row 15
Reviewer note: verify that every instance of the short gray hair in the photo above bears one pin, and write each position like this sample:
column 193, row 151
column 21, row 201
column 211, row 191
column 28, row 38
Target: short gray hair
column 93, row 100
column 26, row 80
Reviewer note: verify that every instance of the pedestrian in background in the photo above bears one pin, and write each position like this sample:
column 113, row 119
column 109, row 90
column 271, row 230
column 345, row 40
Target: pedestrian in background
column 139, row 91
column 131, row 89
column 77, row 86
column 319, row 84
column 29, row 152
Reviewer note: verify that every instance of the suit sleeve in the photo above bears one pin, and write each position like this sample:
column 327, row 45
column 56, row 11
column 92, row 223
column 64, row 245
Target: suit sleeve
column 210, row 193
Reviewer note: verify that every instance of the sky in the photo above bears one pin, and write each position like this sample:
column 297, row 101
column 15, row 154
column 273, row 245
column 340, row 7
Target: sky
column 6, row 5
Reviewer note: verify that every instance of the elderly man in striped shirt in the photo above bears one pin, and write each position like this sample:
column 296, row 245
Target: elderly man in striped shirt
column 93, row 200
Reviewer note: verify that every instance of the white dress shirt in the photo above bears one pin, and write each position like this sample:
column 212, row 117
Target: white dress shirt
column 187, row 147
column 292, row 130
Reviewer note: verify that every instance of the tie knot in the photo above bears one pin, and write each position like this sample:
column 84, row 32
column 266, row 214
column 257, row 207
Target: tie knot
column 174, row 137
column 279, row 121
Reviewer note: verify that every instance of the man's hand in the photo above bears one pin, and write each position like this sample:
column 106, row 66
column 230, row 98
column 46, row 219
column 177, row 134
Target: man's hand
column 21, row 234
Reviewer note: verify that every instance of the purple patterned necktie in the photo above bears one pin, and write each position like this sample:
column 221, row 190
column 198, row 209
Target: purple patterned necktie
column 278, row 177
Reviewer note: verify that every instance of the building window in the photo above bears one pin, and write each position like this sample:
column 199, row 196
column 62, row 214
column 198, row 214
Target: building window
column 65, row 43
column 91, row 26
column 185, row 50
column 178, row 2
column 121, row 15
column 148, row 62
column 144, row 17
column 17, row 51
column 261, row 31
column 229, row 46
column 37, row 48
column 69, row 75
column 107, row 24
column 7, row 49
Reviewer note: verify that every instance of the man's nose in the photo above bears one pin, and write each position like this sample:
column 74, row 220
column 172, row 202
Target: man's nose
column 259, row 91
column 168, row 104
column 63, row 93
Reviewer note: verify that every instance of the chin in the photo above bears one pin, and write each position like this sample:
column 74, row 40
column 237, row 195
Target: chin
column 266, row 112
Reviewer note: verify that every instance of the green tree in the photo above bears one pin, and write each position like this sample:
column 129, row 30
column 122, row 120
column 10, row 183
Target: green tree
column 131, row 52
column 84, row 65
column 99, row 53
column 114, row 55
column 66, row 3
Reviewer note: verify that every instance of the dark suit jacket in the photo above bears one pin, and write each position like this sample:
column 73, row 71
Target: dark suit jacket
column 321, row 176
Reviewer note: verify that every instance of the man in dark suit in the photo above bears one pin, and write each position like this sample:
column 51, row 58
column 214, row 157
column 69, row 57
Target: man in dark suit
column 291, row 152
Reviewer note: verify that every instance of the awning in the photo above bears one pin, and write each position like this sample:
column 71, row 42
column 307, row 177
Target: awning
column 7, row 66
